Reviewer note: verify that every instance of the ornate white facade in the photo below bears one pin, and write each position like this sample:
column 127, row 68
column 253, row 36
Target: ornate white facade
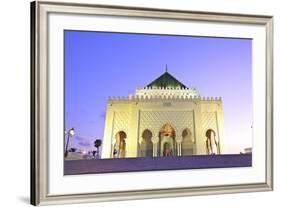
column 165, row 118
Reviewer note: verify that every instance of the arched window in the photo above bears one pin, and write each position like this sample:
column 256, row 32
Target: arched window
column 146, row 146
column 187, row 142
column 167, row 140
column 211, row 142
column 119, row 150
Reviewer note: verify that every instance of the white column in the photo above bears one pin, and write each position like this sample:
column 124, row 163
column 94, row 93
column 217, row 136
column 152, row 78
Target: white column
column 179, row 148
column 178, row 144
column 155, row 149
column 155, row 141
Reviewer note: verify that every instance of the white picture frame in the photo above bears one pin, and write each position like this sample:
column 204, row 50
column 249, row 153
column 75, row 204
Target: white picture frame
column 48, row 185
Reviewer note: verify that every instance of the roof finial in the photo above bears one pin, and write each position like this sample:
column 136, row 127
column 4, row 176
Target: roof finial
column 166, row 70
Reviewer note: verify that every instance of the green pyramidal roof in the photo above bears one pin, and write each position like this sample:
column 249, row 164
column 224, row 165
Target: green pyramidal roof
column 166, row 80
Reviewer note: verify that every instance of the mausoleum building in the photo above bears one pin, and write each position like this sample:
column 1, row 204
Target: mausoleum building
column 164, row 118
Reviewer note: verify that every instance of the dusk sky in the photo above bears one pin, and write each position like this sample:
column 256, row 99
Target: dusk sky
column 99, row 65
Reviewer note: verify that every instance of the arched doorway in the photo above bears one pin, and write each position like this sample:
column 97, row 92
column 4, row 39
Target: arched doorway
column 187, row 143
column 146, row 146
column 119, row 150
column 167, row 140
column 212, row 145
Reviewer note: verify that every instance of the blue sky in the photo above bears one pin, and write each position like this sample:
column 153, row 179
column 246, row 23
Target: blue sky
column 98, row 65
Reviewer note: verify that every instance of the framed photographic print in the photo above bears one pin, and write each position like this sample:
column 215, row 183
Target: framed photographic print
column 147, row 103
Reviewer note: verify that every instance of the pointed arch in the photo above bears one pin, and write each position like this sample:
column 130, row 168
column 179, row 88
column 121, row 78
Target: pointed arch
column 167, row 136
column 146, row 146
column 212, row 145
column 119, row 150
column 187, row 142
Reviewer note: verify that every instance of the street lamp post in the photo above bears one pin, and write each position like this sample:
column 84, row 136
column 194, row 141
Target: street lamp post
column 69, row 133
